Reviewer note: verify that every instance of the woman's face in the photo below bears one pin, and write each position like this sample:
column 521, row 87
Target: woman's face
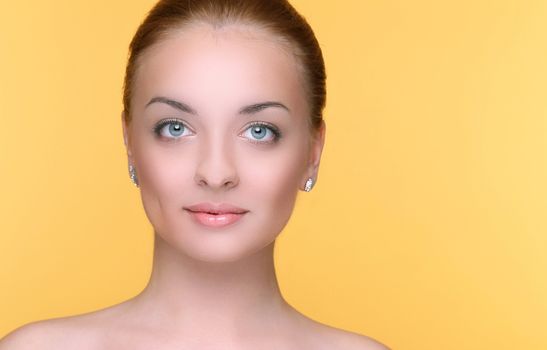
column 219, row 116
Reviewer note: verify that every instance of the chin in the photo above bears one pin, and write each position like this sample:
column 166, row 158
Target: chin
column 219, row 246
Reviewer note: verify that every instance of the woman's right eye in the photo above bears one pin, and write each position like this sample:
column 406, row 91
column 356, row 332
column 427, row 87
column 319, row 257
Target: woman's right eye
column 171, row 129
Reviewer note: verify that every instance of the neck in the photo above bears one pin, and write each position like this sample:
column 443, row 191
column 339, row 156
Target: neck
column 185, row 294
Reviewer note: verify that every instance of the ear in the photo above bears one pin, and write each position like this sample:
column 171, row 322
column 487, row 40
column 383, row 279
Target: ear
column 126, row 137
column 317, row 143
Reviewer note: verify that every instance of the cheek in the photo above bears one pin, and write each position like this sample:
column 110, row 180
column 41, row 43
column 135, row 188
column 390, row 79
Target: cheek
column 272, row 181
column 164, row 180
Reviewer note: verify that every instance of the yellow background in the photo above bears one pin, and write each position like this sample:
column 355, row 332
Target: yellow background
column 426, row 230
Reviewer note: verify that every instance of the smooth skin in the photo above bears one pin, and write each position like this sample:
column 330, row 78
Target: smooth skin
column 211, row 289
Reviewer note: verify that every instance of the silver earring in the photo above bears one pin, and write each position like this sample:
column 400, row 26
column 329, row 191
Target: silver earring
column 309, row 185
column 133, row 175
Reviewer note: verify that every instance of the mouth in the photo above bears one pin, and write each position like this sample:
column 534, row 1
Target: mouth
column 215, row 209
column 215, row 215
column 215, row 212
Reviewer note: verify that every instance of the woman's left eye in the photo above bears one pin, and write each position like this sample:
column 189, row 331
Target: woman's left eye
column 262, row 133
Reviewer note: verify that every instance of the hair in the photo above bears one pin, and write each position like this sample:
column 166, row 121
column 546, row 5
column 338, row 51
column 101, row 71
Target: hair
column 277, row 17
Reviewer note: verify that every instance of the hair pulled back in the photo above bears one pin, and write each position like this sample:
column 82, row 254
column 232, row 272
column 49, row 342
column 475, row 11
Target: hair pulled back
column 278, row 17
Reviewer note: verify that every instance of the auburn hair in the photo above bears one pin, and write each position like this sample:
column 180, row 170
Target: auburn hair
column 277, row 17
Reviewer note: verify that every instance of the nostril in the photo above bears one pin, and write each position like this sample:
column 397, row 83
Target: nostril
column 227, row 182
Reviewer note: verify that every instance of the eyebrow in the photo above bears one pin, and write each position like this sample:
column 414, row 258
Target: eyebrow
column 247, row 110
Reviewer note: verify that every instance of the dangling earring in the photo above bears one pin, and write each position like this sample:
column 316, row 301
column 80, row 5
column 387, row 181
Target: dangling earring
column 309, row 185
column 133, row 175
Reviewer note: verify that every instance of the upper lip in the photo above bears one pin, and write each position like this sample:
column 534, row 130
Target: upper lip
column 222, row 208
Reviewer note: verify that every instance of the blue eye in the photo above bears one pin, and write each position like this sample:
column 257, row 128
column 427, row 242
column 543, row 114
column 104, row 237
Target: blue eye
column 170, row 128
column 263, row 133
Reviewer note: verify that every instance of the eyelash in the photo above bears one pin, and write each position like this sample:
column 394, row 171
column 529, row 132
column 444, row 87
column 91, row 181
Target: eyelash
column 161, row 124
column 275, row 131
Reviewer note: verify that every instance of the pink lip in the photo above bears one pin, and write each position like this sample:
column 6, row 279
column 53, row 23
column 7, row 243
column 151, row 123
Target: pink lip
column 215, row 215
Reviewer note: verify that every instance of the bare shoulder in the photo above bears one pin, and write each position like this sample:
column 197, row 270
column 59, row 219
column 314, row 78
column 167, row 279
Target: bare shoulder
column 326, row 337
column 25, row 337
column 354, row 341
column 42, row 335
column 81, row 332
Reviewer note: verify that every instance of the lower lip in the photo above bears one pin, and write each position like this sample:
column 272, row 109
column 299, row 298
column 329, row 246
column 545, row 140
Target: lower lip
column 212, row 220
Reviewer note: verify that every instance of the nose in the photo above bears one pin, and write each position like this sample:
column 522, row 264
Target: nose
column 216, row 168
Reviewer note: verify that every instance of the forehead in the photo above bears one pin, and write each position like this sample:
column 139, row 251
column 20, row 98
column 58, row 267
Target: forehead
column 231, row 66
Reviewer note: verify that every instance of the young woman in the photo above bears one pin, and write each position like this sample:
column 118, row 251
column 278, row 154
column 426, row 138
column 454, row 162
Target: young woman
column 223, row 127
